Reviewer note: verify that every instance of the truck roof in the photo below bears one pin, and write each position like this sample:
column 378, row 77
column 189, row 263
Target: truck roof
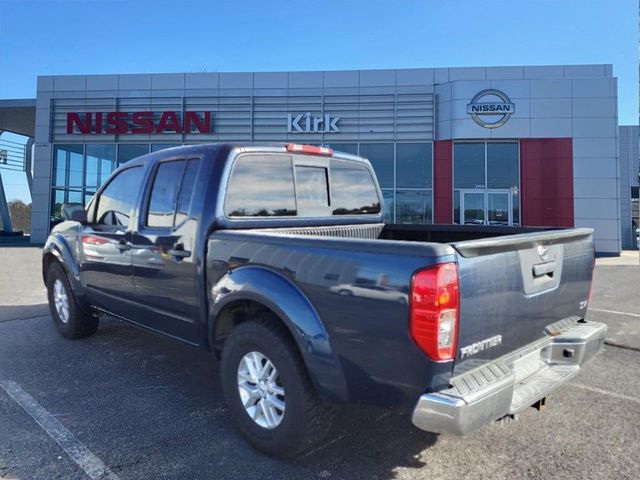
column 181, row 150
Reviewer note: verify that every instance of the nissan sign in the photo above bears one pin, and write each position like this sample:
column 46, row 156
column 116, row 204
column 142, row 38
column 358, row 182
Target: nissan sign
column 490, row 108
column 306, row 123
column 121, row 123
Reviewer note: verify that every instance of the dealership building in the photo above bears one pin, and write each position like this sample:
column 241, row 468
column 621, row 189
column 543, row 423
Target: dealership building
column 525, row 145
column 629, row 157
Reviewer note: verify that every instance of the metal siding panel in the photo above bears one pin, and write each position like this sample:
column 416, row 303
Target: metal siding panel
column 239, row 114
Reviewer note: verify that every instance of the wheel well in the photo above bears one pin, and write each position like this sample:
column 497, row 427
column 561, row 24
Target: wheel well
column 48, row 260
column 236, row 313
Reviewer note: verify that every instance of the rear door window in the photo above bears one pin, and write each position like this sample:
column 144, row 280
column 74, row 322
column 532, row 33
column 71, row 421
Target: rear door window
column 183, row 205
column 164, row 192
column 171, row 193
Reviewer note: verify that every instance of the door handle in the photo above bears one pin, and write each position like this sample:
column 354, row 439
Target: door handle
column 179, row 252
column 123, row 246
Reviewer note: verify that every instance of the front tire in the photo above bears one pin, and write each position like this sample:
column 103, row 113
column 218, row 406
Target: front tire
column 268, row 390
column 70, row 320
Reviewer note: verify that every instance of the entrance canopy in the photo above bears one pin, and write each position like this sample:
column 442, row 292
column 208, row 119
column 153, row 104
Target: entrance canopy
column 18, row 116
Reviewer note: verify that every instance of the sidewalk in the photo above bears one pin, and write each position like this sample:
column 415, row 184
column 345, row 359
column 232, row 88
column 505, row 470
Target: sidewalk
column 627, row 257
column 616, row 298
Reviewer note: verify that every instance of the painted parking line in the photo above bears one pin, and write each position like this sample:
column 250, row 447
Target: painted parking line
column 606, row 392
column 92, row 465
column 615, row 312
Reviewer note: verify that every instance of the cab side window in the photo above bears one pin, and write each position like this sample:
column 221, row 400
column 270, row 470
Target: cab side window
column 118, row 199
column 171, row 193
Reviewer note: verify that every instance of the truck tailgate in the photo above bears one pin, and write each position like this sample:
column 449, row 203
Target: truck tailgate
column 512, row 287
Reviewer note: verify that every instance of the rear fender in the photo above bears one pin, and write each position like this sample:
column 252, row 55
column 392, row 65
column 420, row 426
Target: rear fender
column 281, row 296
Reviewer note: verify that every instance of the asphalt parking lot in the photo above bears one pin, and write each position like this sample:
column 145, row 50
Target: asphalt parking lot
column 151, row 408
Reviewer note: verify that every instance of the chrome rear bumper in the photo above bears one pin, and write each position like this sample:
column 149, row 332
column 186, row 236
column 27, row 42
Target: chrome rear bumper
column 511, row 383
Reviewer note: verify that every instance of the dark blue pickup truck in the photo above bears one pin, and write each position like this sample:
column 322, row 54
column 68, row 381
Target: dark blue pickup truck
column 277, row 260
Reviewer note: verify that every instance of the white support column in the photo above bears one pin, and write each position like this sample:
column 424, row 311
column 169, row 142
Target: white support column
column 4, row 209
column 28, row 162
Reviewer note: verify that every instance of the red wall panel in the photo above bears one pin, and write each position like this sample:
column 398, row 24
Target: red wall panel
column 546, row 171
column 442, row 181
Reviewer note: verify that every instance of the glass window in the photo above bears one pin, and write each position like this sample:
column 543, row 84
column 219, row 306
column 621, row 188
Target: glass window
column 381, row 157
column 413, row 165
column 161, row 146
column 351, row 148
column 60, row 168
column 312, row 189
column 101, row 161
column 74, row 196
column 474, row 208
column 413, row 206
column 127, row 152
column 261, row 185
column 91, row 177
column 502, row 165
column 515, row 199
column 106, row 168
column 68, row 161
column 352, row 189
column 119, row 197
column 456, row 206
column 56, row 207
column 75, row 168
column 88, row 195
column 388, row 199
column 164, row 193
column 468, row 165
column 186, row 191
column 497, row 165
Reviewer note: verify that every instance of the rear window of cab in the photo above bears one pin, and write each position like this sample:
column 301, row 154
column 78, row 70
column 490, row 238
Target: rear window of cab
column 280, row 185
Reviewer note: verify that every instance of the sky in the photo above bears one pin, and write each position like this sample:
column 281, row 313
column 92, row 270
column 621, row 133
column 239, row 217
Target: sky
column 142, row 36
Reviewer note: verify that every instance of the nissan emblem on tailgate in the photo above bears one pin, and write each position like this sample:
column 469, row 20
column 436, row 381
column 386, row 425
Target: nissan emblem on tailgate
column 543, row 251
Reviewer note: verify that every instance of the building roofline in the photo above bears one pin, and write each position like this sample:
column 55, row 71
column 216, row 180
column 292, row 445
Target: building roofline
column 17, row 102
column 607, row 70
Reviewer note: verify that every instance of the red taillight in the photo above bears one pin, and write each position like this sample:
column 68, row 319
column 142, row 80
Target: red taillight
column 312, row 149
column 92, row 240
column 434, row 311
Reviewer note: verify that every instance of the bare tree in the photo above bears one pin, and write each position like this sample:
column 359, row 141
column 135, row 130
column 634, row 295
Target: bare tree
column 20, row 214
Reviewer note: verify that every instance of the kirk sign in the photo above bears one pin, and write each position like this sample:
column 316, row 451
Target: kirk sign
column 123, row 123
column 306, row 123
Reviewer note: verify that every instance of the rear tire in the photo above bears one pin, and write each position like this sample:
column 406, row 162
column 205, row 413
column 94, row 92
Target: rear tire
column 70, row 320
column 301, row 420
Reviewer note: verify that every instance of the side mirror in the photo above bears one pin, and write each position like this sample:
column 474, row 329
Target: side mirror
column 74, row 212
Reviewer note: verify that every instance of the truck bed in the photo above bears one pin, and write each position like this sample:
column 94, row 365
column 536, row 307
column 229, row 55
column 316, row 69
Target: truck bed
column 354, row 269
column 412, row 233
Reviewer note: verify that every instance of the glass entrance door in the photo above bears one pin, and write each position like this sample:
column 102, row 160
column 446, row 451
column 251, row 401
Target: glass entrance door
column 499, row 208
column 473, row 207
column 486, row 207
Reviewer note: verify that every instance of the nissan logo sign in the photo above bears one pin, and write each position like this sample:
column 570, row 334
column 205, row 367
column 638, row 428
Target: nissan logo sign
column 490, row 108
